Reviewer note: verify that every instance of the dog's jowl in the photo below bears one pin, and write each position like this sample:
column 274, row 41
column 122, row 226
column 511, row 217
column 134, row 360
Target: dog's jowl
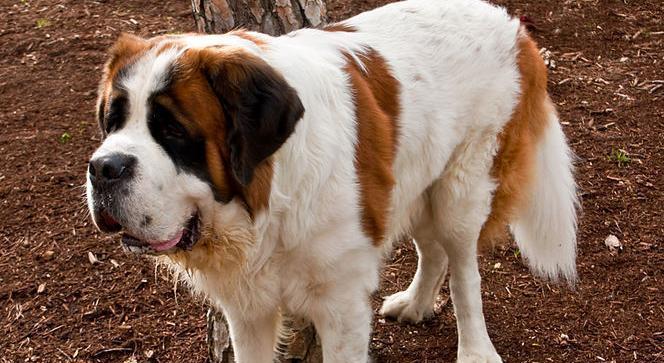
column 276, row 172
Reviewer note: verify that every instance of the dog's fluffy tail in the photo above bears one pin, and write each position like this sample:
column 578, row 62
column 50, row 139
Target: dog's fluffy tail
column 545, row 226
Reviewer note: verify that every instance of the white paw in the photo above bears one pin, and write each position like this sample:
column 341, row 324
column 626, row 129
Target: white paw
column 405, row 307
column 487, row 356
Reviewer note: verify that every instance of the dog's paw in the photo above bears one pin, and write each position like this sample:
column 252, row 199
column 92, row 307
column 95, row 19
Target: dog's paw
column 403, row 306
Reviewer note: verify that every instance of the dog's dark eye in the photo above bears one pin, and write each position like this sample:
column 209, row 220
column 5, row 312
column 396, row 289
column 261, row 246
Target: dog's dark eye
column 168, row 125
column 117, row 115
column 185, row 147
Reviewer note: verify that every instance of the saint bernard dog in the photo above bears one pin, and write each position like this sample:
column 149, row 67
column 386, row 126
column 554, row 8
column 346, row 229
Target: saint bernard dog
column 274, row 173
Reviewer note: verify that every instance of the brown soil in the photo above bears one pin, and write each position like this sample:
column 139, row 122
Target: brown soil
column 55, row 305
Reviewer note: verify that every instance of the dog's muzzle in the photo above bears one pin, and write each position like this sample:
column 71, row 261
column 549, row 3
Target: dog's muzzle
column 185, row 240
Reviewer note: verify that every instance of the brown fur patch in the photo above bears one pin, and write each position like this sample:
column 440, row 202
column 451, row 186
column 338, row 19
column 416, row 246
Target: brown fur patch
column 257, row 193
column 248, row 36
column 192, row 97
column 125, row 50
column 513, row 166
column 376, row 94
column 339, row 27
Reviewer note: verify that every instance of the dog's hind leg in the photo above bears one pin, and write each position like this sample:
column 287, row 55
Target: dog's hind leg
column 460, row 203
column 417, row 302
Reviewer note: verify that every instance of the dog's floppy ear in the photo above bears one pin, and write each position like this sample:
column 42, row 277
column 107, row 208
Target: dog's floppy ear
column 261, row 109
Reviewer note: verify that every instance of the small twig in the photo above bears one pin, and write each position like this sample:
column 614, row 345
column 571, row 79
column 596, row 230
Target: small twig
column 110, row 350
column 69, row 358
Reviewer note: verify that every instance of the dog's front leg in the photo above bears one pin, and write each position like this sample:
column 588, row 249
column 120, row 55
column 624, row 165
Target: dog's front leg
column 344, row 325
column 253, row 335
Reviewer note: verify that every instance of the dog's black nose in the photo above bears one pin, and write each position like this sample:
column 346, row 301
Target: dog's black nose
column 111, row 168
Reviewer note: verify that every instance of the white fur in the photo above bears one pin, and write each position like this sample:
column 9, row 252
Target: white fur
column 546, row 229
column 307, row 254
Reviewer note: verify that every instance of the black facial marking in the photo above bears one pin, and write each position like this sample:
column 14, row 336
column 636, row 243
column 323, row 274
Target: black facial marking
column 117, row 115
column 186, row 150
column 123, row 74
column 101, row 113
column 167, row 80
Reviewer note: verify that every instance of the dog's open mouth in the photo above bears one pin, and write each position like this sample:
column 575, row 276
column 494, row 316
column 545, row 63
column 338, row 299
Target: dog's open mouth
column 185, row 239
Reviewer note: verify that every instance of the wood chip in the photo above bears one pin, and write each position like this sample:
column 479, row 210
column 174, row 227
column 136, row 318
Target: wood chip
column 602, row 112
column 605, row 126
column 92, row 258
column 111, row 350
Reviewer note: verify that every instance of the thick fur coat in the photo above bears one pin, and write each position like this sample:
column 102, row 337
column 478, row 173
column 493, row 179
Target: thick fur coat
column 275, row 173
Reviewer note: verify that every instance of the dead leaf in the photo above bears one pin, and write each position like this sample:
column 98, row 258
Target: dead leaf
column 613, row 243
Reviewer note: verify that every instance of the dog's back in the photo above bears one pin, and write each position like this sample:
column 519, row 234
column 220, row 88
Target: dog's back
column 471, row 91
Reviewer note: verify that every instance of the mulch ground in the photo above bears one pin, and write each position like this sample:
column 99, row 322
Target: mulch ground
column 69, row 294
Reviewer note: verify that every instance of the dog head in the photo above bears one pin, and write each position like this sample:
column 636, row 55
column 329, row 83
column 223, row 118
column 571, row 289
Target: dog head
column 189, row 125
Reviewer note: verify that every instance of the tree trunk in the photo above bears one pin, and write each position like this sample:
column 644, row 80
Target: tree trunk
column 274, row 17
column 218, row 338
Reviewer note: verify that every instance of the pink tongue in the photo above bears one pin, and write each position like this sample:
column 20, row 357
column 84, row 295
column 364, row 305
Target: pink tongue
column 165, row 245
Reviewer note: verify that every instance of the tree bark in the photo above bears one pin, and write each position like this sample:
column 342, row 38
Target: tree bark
column 218, row 338
column 274, row 17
